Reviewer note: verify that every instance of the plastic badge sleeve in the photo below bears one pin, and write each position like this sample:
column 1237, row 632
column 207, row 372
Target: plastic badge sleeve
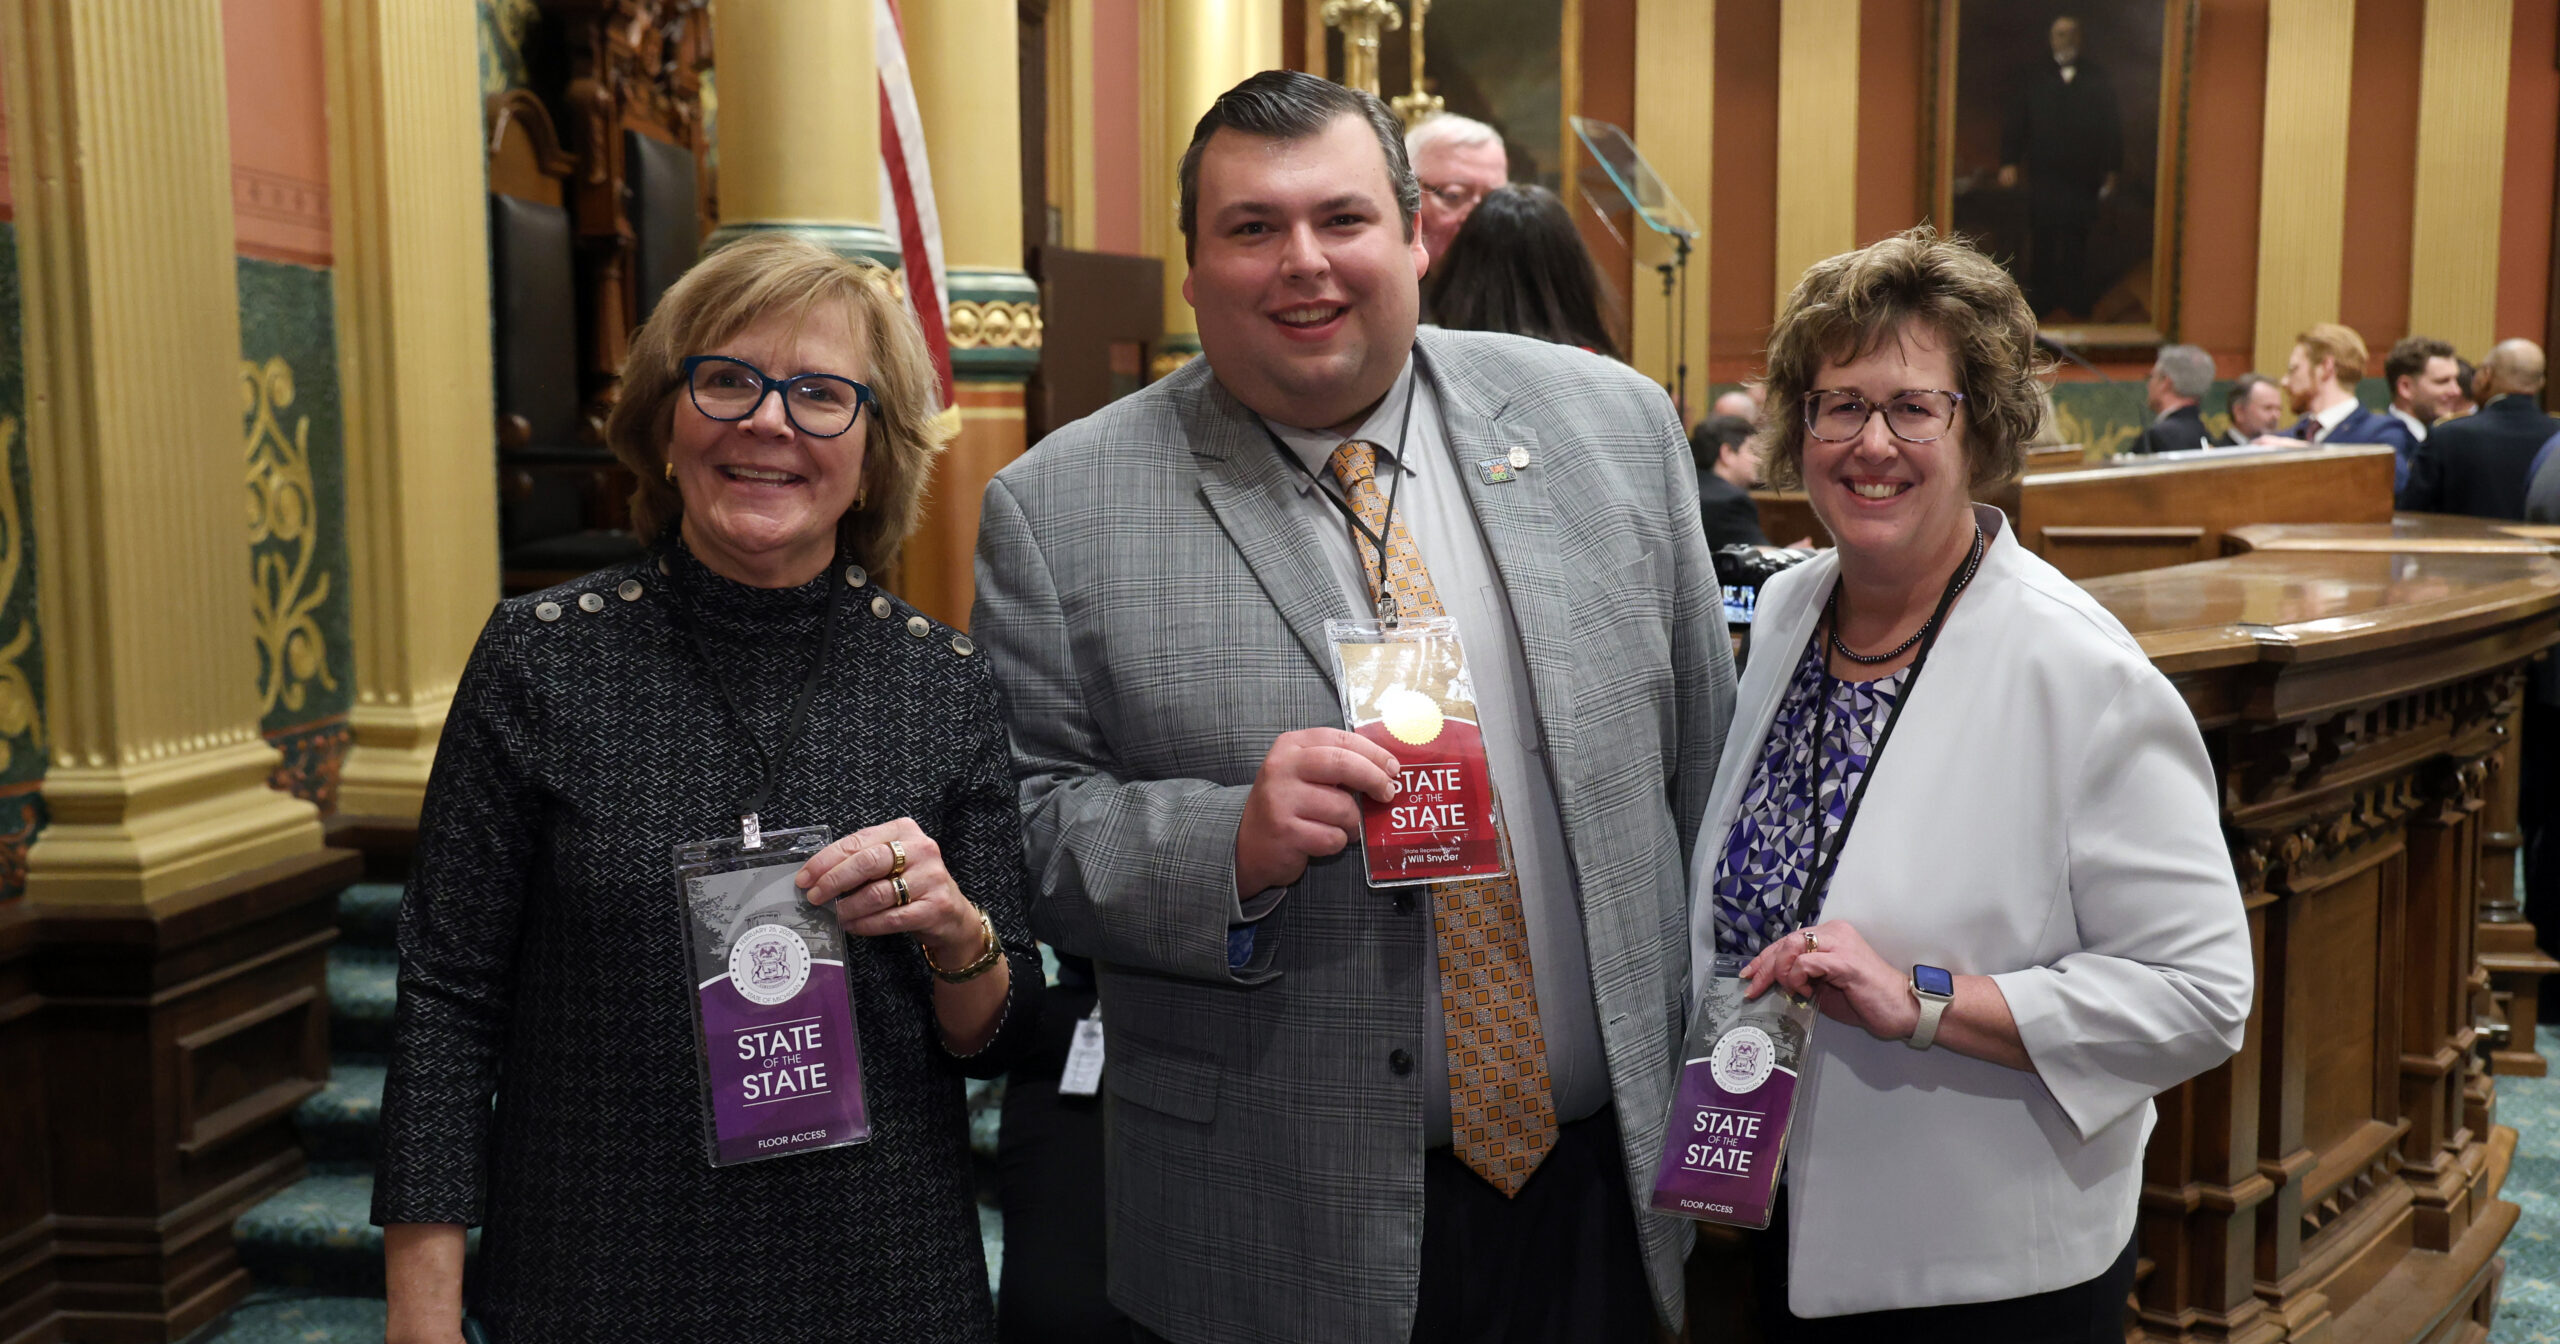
column 1406, row 688
column 776, row 1053
column 1726, row 1139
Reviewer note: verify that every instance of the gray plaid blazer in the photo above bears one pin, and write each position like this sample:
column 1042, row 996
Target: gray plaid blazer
column 1154, row 614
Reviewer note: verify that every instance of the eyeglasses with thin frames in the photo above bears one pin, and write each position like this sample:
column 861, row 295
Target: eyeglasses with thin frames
column 820, row 405
column 1456, row 195
column 1914, row 414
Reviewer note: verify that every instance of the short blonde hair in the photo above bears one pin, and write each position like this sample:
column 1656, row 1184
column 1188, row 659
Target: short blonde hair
column 761, row 276
column 2328, row 340
column 1850, row 304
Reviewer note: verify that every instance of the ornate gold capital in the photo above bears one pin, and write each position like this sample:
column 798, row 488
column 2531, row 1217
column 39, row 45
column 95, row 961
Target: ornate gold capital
column 1360, row 22
column 994, row 325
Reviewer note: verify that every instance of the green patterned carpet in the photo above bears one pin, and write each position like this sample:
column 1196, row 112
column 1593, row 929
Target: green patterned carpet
column 2529, row 1307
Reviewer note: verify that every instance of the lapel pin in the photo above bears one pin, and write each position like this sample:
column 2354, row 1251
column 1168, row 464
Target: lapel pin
column 1519, row 459
column 1496, row 470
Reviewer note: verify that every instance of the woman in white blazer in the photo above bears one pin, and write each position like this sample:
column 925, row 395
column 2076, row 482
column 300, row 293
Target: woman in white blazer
column 2030, row 924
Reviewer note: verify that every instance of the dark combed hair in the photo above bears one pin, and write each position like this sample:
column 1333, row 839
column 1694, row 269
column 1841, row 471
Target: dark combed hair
column 2408, row 359
column 1711, row 436
column 1853, row 303
column 2242, row 387
column 1518, row 265
column 1291, row 105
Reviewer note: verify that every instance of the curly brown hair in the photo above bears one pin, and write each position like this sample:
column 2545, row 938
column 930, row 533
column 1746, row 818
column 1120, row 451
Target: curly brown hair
column 1848, row 305
column 757, row 277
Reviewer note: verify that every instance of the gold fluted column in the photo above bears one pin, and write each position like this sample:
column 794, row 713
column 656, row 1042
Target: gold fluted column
column 119, row 137
column 1817, row 135
column 2462, row 152
column 968, row 95
column 2302, row 178
column 1675, row 123
column 800, row 122
column 1193, row 50
column 411, row 276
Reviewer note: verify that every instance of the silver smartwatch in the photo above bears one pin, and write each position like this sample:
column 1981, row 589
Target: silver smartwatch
column 1935, row 989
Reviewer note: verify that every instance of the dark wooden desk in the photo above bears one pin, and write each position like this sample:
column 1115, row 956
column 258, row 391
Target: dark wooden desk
column 2405, row 534
column 2516, row 963
column 2339, row 1178
column 2144, row 512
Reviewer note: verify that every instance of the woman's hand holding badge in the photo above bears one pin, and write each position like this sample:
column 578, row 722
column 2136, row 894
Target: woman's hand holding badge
column 1851, row 982
column 876, row 894
column 1844, row 977
column 889, row 879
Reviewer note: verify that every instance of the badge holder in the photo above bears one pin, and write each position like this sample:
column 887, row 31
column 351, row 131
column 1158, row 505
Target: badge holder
column 1726, row 1138
column 1405, row 687
column 775, row 1050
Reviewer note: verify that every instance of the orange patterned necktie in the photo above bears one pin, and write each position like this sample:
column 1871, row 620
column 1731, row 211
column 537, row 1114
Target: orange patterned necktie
column 1502, row 1114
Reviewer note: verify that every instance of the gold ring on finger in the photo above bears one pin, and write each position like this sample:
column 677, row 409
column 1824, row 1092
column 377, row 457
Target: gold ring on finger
column 899, row 885
column 1811, row 943
column 897, row 859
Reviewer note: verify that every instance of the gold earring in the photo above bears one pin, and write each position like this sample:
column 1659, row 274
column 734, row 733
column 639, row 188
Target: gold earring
column 671, row 473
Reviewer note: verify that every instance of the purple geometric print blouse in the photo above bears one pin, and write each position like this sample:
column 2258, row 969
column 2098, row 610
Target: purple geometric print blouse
column 1769, row 854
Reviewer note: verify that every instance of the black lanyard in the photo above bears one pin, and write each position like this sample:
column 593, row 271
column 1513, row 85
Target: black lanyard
column 1385, row 600
column 1809, row 904
column 751, row 809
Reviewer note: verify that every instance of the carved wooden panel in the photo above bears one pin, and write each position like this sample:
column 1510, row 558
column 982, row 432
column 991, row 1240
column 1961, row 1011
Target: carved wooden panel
column 2337, row 1180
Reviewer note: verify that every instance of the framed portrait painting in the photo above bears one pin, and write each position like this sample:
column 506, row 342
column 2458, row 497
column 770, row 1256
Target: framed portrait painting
column 2058, row 134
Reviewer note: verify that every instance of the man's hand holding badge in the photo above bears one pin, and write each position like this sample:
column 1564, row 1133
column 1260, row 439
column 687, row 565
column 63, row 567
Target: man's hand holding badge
column 1305, row 803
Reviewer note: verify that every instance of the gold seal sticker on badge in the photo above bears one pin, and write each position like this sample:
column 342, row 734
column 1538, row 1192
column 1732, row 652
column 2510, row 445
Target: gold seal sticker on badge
column 1410, row 716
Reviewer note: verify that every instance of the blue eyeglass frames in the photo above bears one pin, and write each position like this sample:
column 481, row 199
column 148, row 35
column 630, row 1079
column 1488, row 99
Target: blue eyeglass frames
column 820, row 405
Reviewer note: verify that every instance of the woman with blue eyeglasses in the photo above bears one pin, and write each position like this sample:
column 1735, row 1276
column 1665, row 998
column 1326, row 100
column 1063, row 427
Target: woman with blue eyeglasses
column 747, row 678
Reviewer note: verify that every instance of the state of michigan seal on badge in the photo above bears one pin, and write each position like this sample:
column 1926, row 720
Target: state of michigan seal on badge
column 769, row 964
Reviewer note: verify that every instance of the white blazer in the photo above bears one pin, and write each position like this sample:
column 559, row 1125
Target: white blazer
column 2044, row 815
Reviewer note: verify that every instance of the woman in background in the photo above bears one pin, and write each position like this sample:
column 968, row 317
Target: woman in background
column 1518, row 265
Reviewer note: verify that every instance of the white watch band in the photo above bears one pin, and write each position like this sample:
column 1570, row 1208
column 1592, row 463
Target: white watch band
column 1931, row 1008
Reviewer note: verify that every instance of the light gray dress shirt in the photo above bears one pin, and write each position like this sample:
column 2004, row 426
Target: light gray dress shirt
column 1433, row 503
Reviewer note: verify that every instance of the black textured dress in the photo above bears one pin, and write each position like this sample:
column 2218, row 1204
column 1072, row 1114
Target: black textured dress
column 542, row 963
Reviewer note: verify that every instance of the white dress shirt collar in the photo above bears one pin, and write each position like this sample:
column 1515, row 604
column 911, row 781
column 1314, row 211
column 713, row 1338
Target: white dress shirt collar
column 1314, row 447
column 2417, row 427
column 2334, row 416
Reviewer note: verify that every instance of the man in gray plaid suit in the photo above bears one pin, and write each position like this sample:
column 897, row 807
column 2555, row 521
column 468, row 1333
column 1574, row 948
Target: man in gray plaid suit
column 1320, row 1127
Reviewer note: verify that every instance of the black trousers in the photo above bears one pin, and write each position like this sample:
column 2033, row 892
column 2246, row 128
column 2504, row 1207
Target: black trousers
column 2091, row 1312
column 1049, row 1175
column 1559, row 1263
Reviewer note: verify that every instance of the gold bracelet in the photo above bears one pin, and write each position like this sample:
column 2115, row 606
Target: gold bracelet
column 986, row 960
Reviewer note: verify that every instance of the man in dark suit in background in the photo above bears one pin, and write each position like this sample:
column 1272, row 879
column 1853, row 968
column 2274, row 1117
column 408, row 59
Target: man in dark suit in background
column 2478, row 464
column 2179, row 378
column 2063, row 129
column 1728, row 467
column 2421, row 372
column 2320, row 378
column 2256, row 407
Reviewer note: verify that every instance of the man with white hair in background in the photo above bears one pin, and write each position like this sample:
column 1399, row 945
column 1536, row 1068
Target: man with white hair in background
column 2179, row 379
column 1743, row 402
column 1459, row 159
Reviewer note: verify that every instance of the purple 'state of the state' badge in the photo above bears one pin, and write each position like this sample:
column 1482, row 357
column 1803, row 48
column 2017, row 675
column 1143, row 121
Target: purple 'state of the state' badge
column 1727, row 1133
column 785, row 1075
column 781, row 1061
